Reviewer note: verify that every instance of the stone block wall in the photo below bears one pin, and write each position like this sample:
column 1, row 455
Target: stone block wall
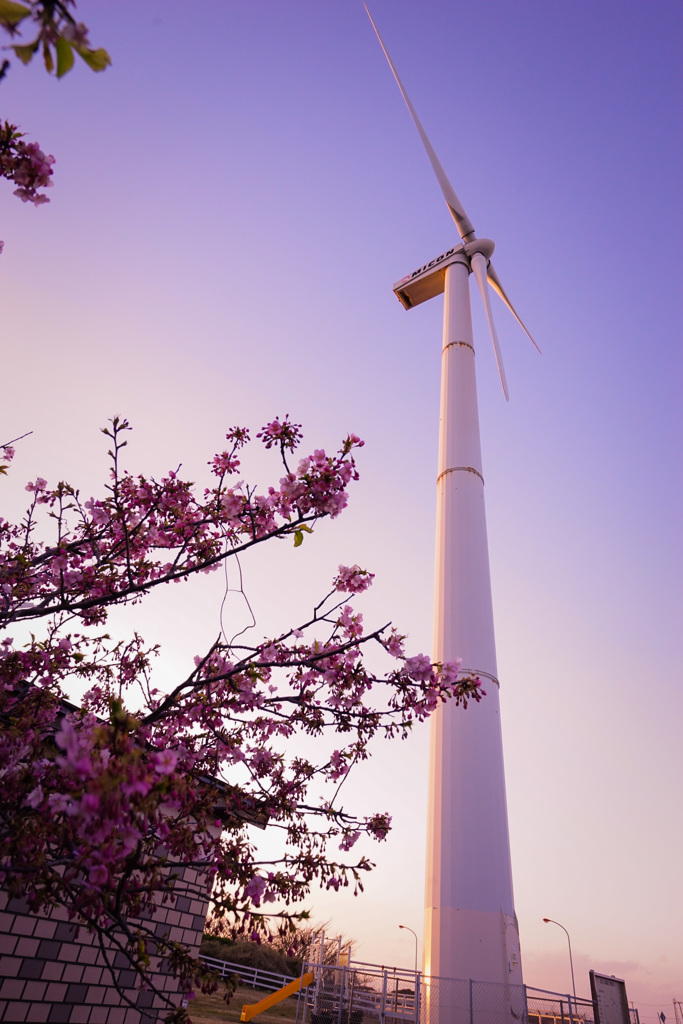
column 50, row 971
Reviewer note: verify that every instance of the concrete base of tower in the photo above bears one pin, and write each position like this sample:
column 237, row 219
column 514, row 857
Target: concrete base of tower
column 477, row 974
column 472, row 944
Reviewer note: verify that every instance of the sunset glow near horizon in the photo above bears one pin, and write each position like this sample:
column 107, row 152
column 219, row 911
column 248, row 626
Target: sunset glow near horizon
column 233, row 200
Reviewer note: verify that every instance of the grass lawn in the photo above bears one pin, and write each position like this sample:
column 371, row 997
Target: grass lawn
column 211, row 1009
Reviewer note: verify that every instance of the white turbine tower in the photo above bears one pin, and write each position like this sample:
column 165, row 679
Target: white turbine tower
column 470, row 923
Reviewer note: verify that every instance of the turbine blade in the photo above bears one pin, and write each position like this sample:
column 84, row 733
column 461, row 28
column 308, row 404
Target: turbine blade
column 498, row 288
column 462, row 221
column 478, row 264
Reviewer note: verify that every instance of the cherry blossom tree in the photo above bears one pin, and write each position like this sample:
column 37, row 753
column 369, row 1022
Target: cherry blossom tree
column 59, row 38
column 25, row 164
column 103, row 805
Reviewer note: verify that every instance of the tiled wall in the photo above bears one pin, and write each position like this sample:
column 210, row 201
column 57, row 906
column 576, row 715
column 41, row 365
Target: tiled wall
column 49, row 971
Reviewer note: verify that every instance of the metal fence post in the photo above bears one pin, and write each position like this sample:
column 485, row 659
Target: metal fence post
column 526, row 1006
column 569, row 1003
column 471, row 1003
column 301, row 993
column 351, row 987
column 341, row 992
column 383, row 1005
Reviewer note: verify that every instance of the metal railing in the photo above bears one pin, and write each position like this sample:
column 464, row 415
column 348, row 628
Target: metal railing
column 552, row 1008
column 254, row 977
column 362, row 993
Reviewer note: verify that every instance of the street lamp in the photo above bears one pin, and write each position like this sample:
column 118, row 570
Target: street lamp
column 549, row 920
column 415, row 936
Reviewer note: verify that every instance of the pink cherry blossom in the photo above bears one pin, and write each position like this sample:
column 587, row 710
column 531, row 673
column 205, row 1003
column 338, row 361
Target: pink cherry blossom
column 133, row 781
column 254, row 889
column 349, row 840
column 353, row 579
column 164, row 762
column 35, row 797
column 98, row 875
column 25, row 164
column 418, row 668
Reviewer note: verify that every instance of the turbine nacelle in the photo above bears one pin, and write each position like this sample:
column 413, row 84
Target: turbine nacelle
column 430, row 280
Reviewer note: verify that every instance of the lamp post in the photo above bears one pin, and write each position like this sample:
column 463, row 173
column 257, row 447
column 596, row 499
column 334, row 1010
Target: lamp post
column 415, row 937
column 549, row 920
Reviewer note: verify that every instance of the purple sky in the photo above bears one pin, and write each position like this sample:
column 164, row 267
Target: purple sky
column 233, row 200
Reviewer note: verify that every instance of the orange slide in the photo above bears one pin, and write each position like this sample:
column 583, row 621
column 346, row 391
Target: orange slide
column 253, row 1009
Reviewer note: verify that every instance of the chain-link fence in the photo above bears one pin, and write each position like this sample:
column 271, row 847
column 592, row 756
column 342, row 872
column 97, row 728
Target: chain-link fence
column 550, row 1008
column 362, row 994
column 368, row 994
column 448, row 1001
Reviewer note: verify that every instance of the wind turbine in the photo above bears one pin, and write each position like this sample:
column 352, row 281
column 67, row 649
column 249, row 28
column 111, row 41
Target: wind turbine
column 471, row 928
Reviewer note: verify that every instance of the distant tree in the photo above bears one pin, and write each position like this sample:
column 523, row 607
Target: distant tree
column 260, row 956
column 283, row 951
column 304, row 943
column 103, row 805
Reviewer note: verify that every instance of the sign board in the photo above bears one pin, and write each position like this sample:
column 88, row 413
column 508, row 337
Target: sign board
column 609, row 999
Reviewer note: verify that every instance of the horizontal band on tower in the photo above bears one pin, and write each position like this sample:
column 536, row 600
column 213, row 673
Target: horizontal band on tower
column 460, row 469
column 464, row 344
column 478, row 672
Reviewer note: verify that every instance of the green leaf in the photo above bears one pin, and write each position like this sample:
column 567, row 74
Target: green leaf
column 25, row 53
column 11, row 13
column 98, row 60
column 47, row 58
column 298, row 538
column 65, row 56
column 306, row 528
